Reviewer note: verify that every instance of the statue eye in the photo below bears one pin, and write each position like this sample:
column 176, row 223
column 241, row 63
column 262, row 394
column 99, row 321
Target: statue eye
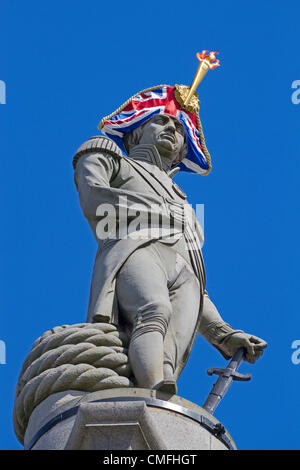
column 163, row 119
column 180, row 129
column 159, row 119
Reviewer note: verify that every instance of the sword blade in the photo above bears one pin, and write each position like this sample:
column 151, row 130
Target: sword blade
column 223, row 383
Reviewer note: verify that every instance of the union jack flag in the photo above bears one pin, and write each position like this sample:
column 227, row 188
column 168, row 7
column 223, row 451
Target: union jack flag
column 160, row 101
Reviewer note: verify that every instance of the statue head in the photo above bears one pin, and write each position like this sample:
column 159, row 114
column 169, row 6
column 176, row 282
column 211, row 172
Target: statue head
column 166, row 115
column 165, row 132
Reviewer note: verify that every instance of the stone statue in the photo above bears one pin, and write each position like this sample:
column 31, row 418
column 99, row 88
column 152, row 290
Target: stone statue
column 153, row 287
column 82, row 385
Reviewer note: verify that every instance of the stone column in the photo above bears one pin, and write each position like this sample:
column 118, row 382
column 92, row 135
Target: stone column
column 123, row 419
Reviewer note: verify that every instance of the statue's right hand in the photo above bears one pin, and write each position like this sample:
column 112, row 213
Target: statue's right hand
column 253, row 344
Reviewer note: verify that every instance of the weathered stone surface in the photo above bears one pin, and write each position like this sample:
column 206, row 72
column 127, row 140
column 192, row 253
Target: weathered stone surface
column 118, row 424
column 115, row 426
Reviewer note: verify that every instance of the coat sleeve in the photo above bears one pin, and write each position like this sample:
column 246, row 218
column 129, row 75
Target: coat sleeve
column 94, row 178
column 213, row 328
column 93, row 175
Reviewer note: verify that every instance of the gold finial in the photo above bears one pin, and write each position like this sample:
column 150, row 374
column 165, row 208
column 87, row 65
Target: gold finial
column 206, row 62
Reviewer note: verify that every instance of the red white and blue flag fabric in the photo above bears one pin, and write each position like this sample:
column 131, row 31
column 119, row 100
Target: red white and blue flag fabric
column 159, row 101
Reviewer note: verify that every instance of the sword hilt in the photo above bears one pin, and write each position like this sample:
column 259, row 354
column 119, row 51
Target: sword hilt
column 227, row 373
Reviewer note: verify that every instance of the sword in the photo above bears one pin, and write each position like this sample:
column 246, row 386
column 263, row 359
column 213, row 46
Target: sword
column 226, row 376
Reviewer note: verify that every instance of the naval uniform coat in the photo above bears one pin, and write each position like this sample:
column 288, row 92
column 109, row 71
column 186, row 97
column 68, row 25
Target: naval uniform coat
column 103, row 176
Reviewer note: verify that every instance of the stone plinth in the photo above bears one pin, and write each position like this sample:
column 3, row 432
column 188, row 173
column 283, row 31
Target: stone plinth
column 123, row 419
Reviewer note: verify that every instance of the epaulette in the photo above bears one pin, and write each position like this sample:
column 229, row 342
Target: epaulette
column 94, row 144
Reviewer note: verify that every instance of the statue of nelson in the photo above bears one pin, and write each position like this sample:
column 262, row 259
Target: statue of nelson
column 153, row 288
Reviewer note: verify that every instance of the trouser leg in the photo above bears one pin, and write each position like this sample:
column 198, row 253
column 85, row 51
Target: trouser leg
column 143, row 296
column 159, row 297
column 185, row 301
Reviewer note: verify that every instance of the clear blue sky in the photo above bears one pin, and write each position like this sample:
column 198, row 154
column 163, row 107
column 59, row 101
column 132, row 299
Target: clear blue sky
column 66, row 64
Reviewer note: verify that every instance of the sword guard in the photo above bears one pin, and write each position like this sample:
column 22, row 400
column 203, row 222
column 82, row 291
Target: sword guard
column 225, row 372
column 241, row 377
column 216, row 371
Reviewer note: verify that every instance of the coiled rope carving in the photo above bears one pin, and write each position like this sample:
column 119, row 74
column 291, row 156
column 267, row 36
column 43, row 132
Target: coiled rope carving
column 86, row 357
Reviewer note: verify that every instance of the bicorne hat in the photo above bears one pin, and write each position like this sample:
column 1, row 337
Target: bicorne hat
column 179, row 101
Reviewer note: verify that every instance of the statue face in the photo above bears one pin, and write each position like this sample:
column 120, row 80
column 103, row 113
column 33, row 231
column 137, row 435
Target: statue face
column 166, row 133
